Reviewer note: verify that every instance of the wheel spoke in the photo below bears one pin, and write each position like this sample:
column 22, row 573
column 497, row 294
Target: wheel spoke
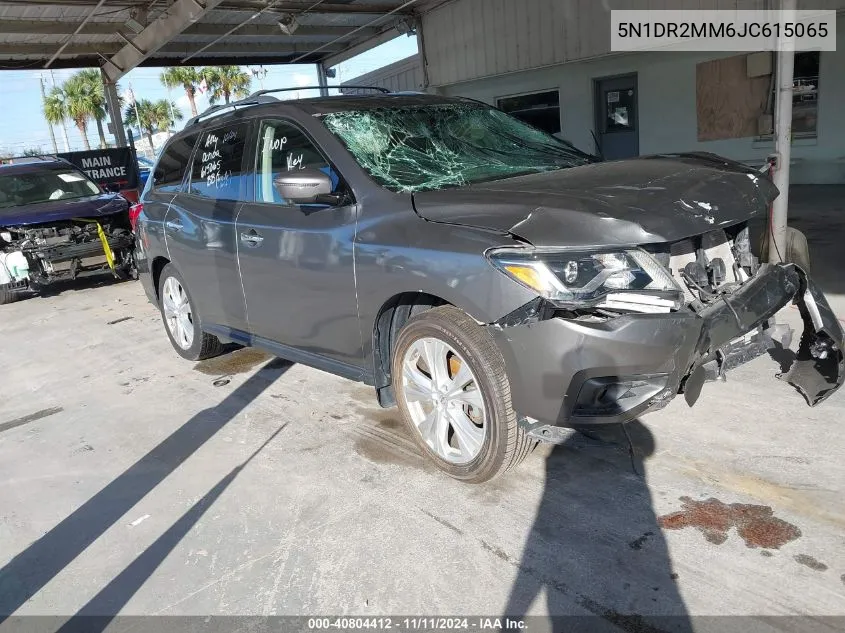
column 435, row 357
column 169, row 305
column 441, row 434
column 427, row 426
column 472, row 397
column 470, row 437
column 417, row 385
column 460, row 380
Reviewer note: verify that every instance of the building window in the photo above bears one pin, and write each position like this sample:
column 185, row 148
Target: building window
column 805, row 93
column 540, row 109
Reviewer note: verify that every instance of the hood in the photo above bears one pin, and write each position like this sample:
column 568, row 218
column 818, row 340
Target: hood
column 639, row 201
column 57, row 210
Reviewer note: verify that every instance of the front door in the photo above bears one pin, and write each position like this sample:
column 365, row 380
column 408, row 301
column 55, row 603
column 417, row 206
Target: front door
column 296, row 259
column 200, row 226
column 616, row 117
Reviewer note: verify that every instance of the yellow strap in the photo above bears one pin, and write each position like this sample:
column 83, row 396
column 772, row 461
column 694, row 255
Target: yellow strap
column 103, row 240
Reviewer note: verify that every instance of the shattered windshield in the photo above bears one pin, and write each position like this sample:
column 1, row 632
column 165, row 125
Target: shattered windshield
column 431, row 147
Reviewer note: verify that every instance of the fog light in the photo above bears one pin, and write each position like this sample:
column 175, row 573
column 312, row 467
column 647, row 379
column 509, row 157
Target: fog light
column 612, row 395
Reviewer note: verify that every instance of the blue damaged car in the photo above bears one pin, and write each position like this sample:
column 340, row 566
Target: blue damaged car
column 56, row 223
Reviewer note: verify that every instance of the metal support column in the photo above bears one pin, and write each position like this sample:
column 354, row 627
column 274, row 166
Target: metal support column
column 322, row 80
column 113, row 103
column 783, row 140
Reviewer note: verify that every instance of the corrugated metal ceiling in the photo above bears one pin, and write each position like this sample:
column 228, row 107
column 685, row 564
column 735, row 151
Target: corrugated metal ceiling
column 32, row 31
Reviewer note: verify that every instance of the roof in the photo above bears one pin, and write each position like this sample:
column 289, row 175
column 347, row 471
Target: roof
column 26, row 165
column 122, row 34
column 324, row 105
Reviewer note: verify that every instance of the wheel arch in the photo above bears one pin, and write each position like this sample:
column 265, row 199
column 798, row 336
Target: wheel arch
column 156, row 267
column 392, row 316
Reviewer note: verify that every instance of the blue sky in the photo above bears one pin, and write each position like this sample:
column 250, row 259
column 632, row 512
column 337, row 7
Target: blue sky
column 22, row 123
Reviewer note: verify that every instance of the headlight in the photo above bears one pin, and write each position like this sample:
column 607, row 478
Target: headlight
column 627, row 279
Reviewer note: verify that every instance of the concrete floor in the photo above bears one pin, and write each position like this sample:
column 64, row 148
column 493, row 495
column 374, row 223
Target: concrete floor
column 130, row 483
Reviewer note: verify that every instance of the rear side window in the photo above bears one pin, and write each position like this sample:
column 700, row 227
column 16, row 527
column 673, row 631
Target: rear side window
column 173, row 164
column 217, row 172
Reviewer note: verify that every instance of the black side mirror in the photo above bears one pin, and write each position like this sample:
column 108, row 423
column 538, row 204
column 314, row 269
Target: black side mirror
column 302, row 186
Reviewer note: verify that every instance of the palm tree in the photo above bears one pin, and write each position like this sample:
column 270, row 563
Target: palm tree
column 226, row 81
column 55, row 106
column 186, row 76
column 152, row 116
column 93, row 82
column 82, row 104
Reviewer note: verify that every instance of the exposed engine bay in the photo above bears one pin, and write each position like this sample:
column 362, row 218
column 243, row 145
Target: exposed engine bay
column 37, row 255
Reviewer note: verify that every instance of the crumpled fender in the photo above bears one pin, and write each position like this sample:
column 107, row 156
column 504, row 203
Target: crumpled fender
column 819, row 367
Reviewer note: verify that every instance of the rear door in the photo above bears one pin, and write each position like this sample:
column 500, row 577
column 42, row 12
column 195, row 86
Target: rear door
column 296, row 259
column 200, row 225
column 162, row 186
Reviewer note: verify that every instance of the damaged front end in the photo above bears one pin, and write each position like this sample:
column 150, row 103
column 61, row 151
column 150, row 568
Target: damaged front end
column 818, row 368
column 36, row 255
column 615, row 333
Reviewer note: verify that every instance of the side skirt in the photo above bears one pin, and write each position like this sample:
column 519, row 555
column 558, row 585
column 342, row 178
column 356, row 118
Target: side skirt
column 293, row 354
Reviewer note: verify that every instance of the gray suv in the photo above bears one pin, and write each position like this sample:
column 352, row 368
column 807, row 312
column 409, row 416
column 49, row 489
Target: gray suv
column 491, row 280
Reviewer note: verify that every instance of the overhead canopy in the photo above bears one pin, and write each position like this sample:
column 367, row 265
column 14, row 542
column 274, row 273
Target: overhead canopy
column 119, row 35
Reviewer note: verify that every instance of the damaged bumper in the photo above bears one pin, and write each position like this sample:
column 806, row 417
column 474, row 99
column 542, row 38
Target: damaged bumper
column 566, row 372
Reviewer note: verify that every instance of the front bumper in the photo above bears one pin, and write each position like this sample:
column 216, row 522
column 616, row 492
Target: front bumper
column 572, row 373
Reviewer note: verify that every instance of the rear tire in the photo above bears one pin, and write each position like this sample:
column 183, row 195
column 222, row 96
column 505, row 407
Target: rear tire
column 503, row 443
column 181, row 320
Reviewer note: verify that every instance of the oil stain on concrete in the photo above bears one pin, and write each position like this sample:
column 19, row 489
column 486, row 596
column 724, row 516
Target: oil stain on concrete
column 809, row 561
column 755, row 524
column 238, row 362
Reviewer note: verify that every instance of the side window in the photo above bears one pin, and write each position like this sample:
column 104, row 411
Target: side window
column 173, row 163
column 285, row 151
column 217, row 171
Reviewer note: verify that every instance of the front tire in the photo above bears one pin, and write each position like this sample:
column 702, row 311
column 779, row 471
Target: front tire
column 181, row 321
column 454, row 395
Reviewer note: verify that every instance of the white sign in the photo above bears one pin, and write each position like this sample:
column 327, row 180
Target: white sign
column 722, row 30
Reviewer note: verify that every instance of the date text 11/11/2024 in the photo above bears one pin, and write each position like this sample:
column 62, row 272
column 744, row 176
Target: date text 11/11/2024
column 418, row 623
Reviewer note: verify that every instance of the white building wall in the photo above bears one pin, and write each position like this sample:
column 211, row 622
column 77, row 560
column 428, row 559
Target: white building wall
column 470, row 39
column 667, row 106
column 403, row 75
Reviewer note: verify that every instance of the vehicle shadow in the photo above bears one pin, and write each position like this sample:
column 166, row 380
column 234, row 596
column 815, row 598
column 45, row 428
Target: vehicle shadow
column 595, row 548
column 28, row 572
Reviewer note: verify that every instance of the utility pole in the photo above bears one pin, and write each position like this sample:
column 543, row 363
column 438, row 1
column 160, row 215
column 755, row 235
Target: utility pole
column 64, row 123
column 49, row 125
column 783, row 138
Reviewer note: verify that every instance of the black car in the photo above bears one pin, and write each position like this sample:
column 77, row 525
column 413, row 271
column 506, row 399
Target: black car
column 55, row 224
column 489, row 279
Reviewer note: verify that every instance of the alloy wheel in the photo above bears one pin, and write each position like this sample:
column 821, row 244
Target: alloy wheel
column 177, row 313
column 444, row 400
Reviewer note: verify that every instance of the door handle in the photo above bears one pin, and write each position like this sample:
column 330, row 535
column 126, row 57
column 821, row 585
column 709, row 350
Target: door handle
column 252, row 238
column 173, row 225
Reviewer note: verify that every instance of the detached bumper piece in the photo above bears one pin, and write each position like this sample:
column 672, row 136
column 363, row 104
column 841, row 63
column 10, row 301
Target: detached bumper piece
column 819, row 367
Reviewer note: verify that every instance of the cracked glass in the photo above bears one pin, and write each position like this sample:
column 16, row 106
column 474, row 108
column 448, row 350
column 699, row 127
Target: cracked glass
column 418, row 148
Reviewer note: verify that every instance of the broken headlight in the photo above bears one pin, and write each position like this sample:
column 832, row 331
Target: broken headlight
column 628, row 279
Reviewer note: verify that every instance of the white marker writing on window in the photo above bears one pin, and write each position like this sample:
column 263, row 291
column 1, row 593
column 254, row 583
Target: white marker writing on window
column 294, row 162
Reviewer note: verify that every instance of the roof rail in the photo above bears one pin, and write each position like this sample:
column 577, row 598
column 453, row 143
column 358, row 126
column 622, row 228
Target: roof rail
column 297, row 88
column 217, row 110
